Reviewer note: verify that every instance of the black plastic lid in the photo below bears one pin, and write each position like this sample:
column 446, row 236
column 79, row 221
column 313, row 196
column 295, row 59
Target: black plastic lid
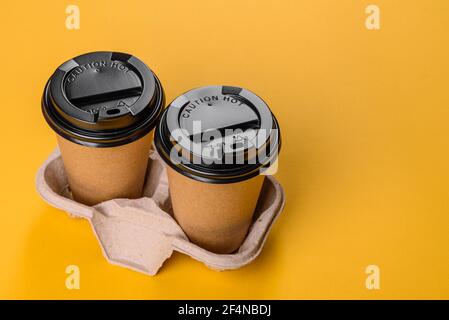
column 103, row 99
column 218, row 134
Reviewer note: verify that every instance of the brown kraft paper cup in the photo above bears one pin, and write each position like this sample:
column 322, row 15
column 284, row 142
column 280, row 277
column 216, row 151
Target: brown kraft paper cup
column 103, row 107
column 214, row 203
column 214, row 216
column 99, row 174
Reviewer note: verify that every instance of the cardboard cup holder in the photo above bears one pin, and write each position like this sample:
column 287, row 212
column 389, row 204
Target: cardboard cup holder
column 140, row 234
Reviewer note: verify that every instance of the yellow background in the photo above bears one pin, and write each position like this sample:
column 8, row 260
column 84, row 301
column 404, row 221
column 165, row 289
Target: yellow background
column 364, row 116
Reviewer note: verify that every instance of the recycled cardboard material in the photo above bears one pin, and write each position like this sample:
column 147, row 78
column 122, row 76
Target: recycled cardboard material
column 214, row 216
column 99, row 174
column 140, row 234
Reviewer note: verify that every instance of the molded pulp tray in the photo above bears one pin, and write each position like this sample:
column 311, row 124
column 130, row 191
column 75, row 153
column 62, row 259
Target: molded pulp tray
column 141, row 234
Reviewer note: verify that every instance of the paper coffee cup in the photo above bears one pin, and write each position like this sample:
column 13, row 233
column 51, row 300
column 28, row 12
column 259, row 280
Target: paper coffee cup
column 217, row 142
column 103, row 107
